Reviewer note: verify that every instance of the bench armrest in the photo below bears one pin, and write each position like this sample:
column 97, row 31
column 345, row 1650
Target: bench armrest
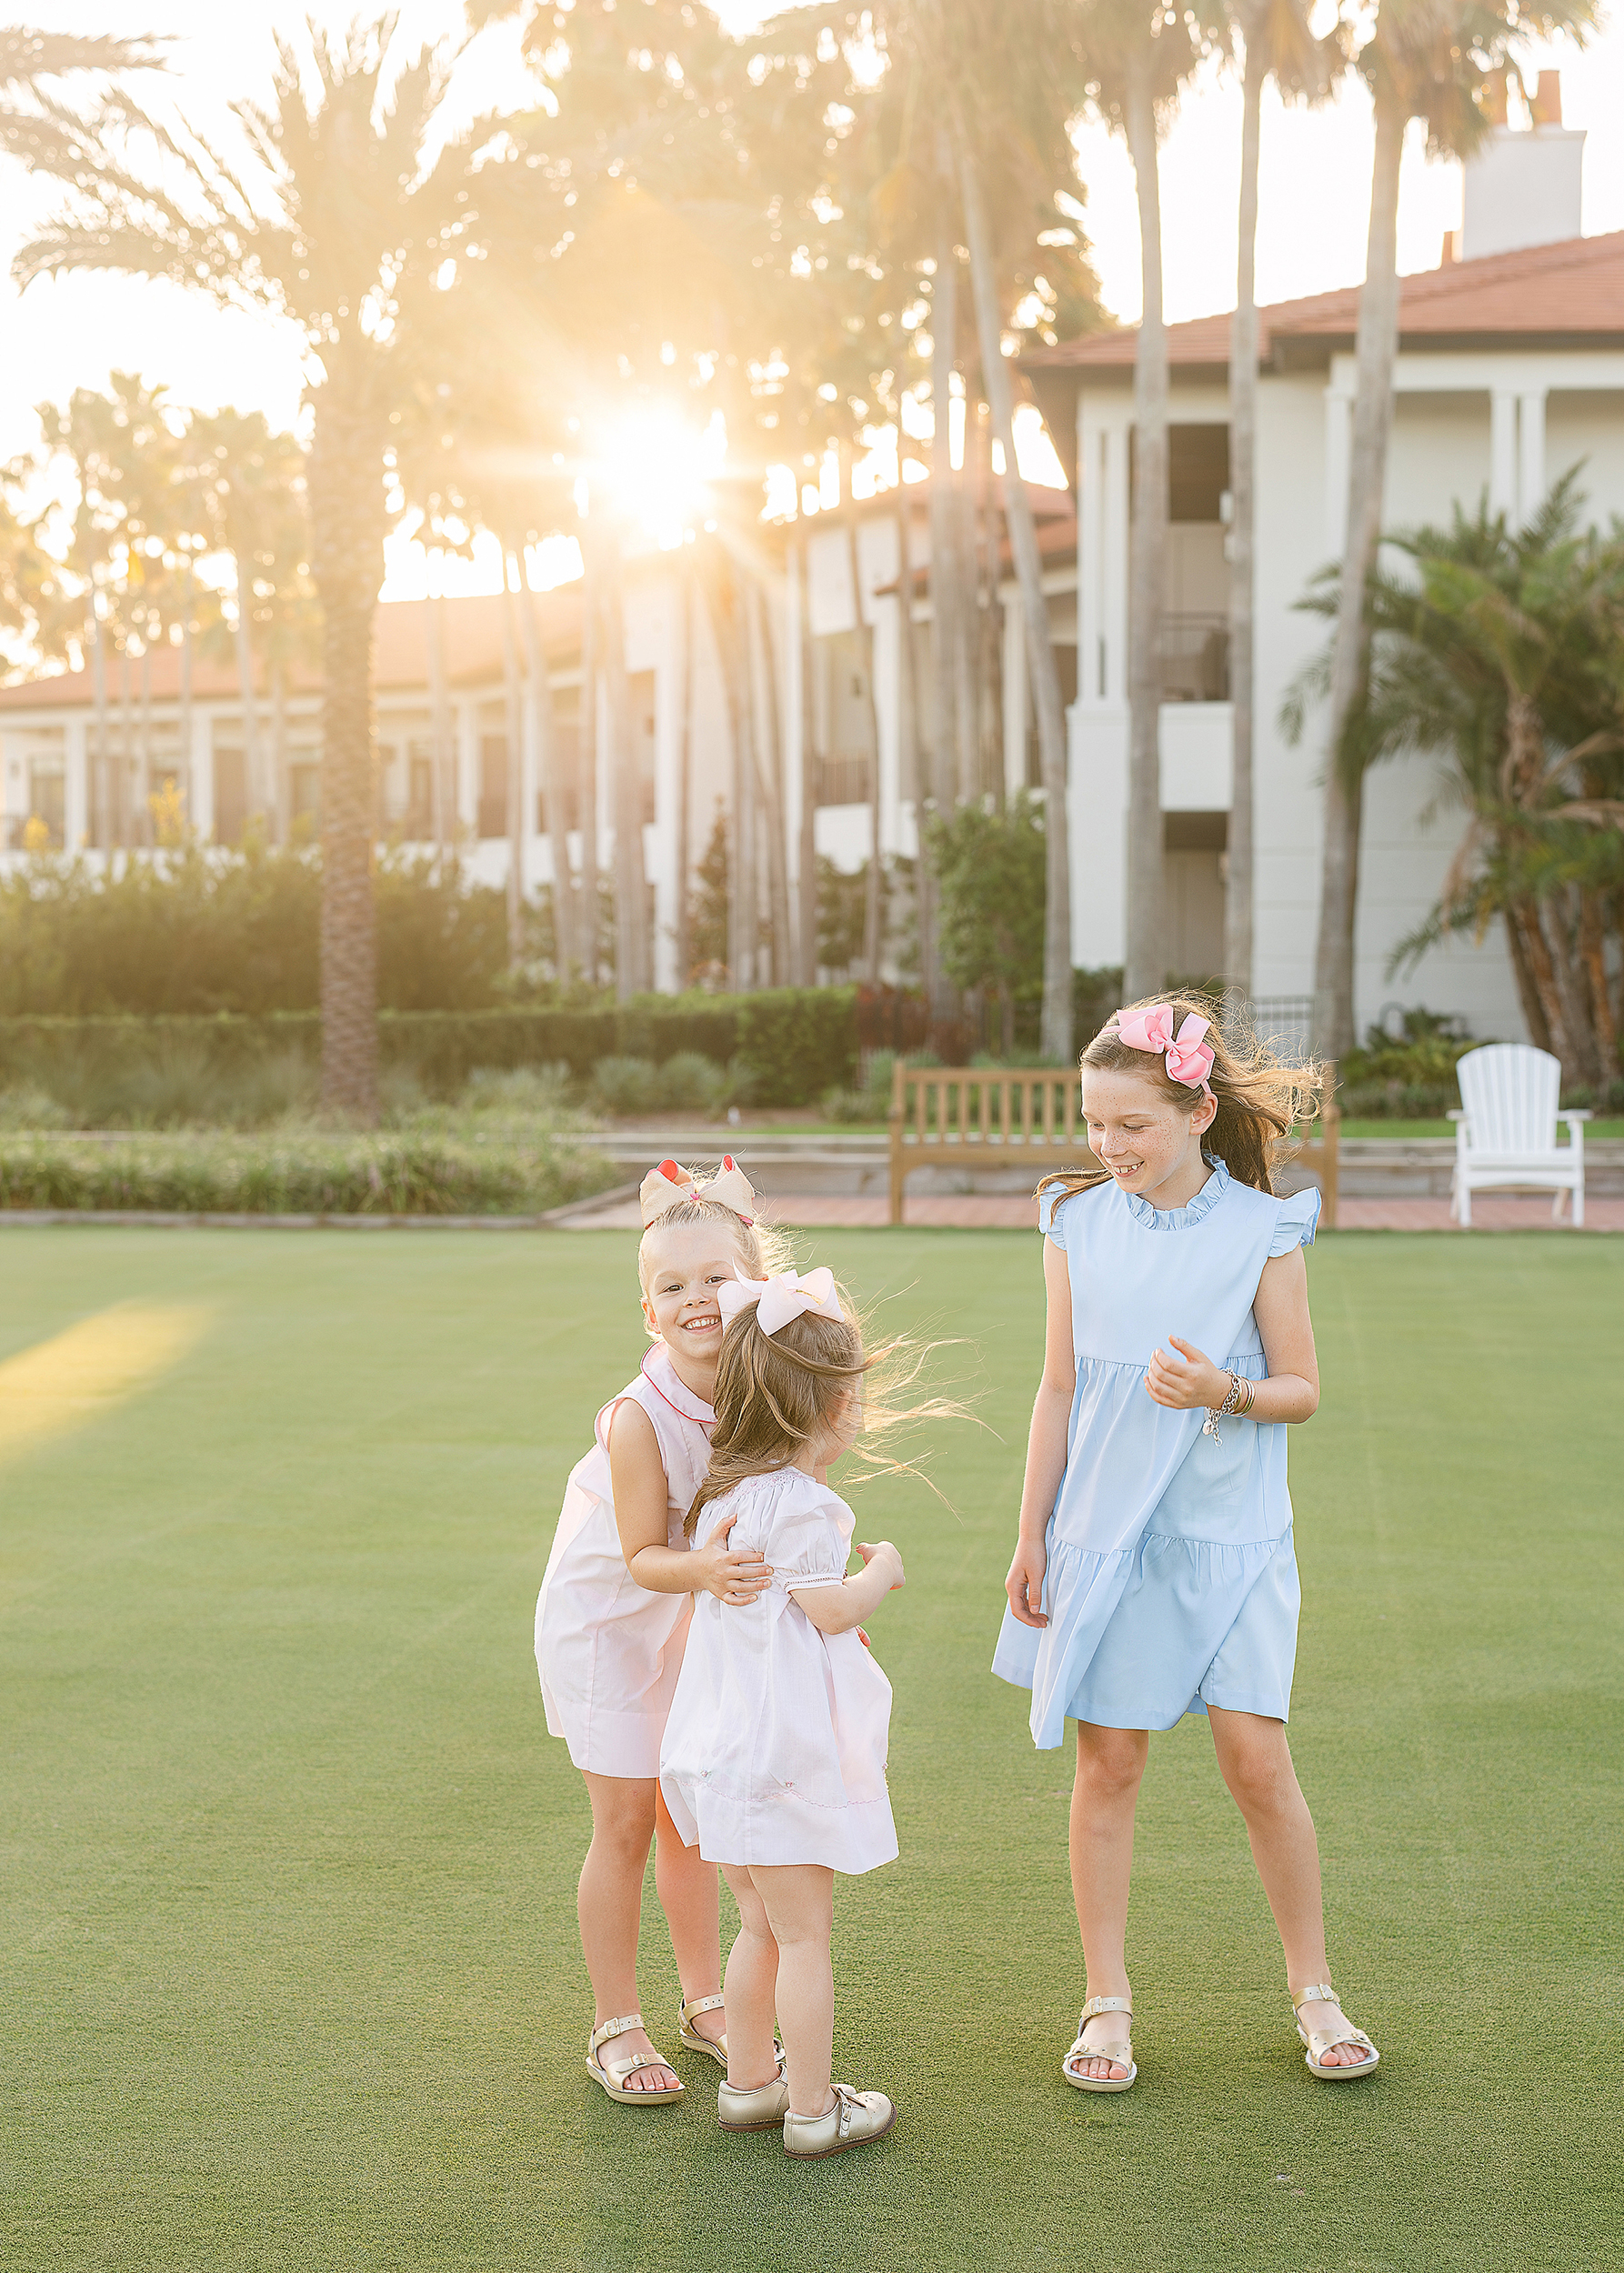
column 1571, row 1118
column 1458, row 1113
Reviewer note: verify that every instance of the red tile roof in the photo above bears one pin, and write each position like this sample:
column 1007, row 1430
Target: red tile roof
column 1571, row 294
column 473, row 645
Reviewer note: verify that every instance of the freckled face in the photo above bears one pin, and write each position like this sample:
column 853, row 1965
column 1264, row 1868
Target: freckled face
column 1135, row 1131
column 682, row 1269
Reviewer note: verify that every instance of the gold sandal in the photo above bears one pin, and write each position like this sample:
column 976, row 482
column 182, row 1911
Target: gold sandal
column 612, row 2074
column 1320, row 2042
column 1118, row 2054
column 716, row 2046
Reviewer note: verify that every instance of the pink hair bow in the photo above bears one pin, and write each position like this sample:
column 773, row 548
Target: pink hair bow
column 1190, row 1059
column 668, row 1186
column 785, row 1295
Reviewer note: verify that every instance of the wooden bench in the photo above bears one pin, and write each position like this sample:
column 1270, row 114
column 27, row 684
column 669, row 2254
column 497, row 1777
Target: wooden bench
column 961, row 1117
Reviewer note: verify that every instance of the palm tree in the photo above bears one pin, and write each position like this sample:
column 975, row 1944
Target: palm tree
column 1503, row 651
column 1276, row 44
column 1428, row 59
column 339, row 221
column 1140, row 58
column 40, row 129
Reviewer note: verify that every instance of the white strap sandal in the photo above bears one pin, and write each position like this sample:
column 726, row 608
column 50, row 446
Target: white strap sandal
column 1320, row 2042
column 1120, row 2055
column 612, row 2074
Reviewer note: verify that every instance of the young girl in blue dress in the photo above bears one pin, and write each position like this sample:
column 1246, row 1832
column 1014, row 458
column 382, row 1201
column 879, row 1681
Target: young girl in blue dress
column 1154, row 1573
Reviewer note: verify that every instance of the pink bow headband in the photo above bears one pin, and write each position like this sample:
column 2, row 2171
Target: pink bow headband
column 1189, row 1059
column 669, row 1186
column 782, row 1296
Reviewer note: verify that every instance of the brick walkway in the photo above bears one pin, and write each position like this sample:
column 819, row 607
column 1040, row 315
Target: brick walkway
column 1011, row 1212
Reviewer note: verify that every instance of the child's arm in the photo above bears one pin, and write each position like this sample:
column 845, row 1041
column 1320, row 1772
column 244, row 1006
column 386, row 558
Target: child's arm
column 641, row 1493
column 1291, row 1392
column 837, row 1610
column 1046, row 1443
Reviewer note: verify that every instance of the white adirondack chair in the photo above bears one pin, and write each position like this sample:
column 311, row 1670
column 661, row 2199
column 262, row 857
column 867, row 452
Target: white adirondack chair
column 1507, row 1132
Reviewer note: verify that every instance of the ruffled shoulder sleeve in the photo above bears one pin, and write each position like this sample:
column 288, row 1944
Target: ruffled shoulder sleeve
column 1294, row 1227
column 1050, row 1221
column 809, row 1537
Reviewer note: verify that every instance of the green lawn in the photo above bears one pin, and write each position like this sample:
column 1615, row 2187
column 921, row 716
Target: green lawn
column 291, row 1978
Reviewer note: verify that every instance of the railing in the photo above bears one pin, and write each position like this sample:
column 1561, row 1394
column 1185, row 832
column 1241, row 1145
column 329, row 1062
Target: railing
column 1195, row 658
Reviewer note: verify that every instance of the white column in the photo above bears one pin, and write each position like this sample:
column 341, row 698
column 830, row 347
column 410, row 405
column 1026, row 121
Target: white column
column 1015, row 695
column 1530, row 454
column 1091, row 471
column 465, row 717
column 1339, row 447
column 1502, row 452
column 794, row 753
column 1114, row 541
column 76, row 785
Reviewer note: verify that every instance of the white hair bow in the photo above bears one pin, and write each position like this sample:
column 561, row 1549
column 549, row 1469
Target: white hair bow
column 668, row 1186
column 784, row 1296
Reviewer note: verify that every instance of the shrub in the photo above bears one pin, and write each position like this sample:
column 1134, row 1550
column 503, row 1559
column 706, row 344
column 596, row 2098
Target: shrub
column 28, row 1108
column 297, row 1172
column 690, row 1083
column 625, row 1085
column 518, row 1091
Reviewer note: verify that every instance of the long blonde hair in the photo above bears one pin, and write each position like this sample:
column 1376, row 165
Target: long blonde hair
column 777, row 1393
column 1258, row 1099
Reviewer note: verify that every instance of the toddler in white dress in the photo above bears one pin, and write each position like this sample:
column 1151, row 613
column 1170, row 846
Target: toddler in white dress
column 613, row 1618
column 774, row 1756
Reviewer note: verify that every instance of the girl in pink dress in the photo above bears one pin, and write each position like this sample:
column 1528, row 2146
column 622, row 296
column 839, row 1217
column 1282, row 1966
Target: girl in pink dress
column 613, row 1618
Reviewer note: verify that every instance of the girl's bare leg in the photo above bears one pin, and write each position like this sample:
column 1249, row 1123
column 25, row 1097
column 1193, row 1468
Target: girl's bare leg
column 1255, row 1761
column 688, row 1892
column 799, row 1900
column 752, row 1990
column 1110, row 1764
column 611, row 1904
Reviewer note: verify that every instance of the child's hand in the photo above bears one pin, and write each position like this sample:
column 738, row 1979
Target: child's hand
column 733, row 1575
column 881, row 1549
column 1024, row 1584
column 1184, row 1385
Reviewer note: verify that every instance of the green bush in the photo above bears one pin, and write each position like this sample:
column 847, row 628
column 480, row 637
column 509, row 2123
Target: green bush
column 688, row 1083
column 625, row 1085
column 299, row 1172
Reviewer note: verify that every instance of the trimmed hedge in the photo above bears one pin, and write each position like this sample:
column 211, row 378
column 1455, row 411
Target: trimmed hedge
column 302, row 1174
column 792, row 1044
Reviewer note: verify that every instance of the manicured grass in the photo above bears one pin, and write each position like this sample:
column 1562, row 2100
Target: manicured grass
column 290, row 1976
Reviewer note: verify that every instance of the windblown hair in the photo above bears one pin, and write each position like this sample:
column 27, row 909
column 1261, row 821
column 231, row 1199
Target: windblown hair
column 1258, row 1099
column 777, row 1392
column 761, row 1247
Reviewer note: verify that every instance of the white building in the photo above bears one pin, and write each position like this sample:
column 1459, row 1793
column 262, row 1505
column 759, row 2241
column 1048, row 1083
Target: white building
column 1511, row 370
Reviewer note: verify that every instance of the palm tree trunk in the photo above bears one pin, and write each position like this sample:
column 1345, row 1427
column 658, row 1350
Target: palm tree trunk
column 722, row 600
column 1523, row 965
column 952, row 747
column 513, row 714
column 807, row 907
column 188, row 791
column 1147, row 962
column 127, row 752
column 278, row 750
column 1592, row 944
column 550, row 772
column 976, row 598
column 1558, row 1039
column 586, row 926
column 1558, row 921
column 346, row 516
column 1243, row 434
column 1040, row 651
column 1376, row 345
column 631, row 887
column 914, row 742
column 874, row 875
column 778, row 846
column 682, row 940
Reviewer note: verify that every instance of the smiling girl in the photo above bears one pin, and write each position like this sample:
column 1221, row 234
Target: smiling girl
column 1154, row 1573
column 613, row 1618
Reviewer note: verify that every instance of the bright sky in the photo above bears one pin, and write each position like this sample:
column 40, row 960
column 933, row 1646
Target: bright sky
column 1315, row 191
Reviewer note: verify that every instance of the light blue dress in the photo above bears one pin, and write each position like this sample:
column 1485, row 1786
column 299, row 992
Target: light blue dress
column 1171, row 1583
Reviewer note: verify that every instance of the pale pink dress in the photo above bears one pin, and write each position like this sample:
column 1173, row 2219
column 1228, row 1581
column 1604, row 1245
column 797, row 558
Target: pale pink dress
column 608, row 1650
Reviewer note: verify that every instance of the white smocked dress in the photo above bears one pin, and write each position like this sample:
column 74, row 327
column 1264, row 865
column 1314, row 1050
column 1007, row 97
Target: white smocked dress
column 775, row 1751
column 1171, row 1582
column 608, row 1650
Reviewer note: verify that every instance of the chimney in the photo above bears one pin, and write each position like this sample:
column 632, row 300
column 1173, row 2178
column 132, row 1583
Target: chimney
column 1522, row 185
